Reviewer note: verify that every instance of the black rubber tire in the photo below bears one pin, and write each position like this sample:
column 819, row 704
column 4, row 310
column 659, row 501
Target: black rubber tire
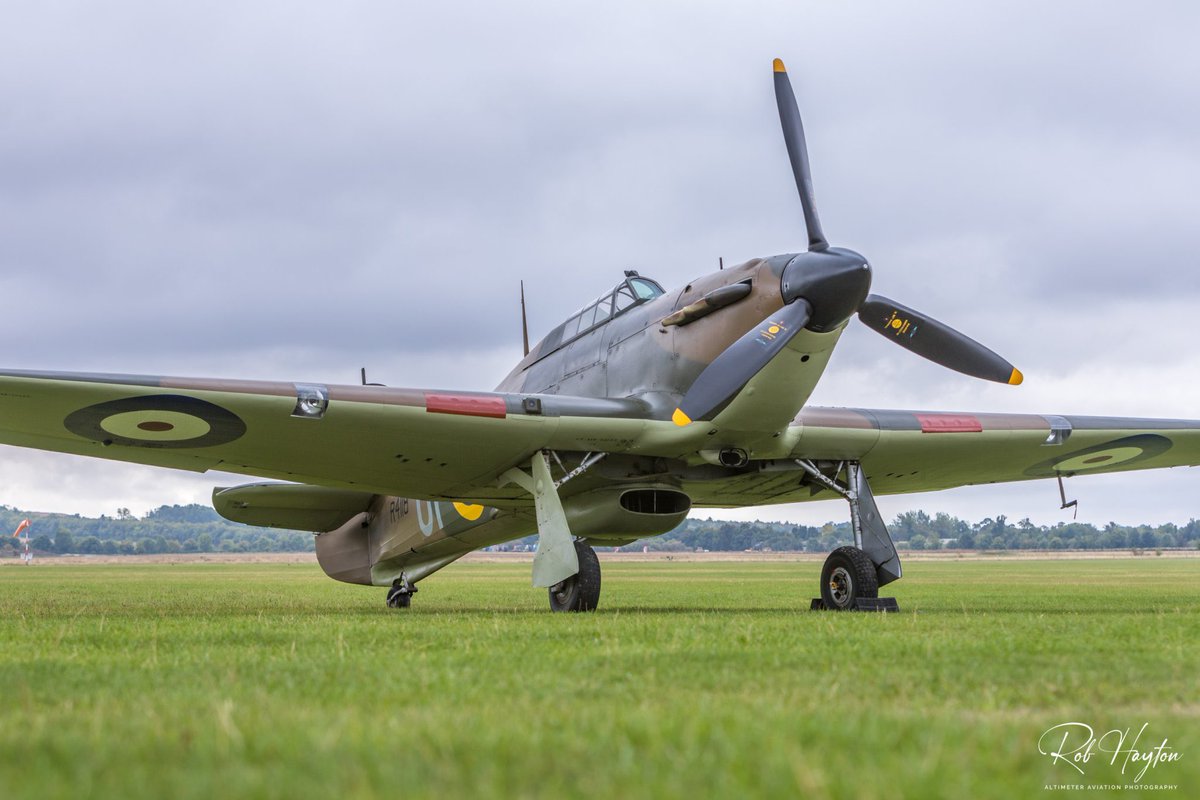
column 580, row 592
column 848, row 574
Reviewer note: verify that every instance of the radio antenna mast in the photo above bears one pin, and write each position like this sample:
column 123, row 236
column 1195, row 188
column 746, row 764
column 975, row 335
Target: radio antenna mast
column 524, row 322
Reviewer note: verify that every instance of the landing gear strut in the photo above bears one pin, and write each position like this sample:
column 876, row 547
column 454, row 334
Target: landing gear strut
column 851, row 577
column 568, row 568
column 580, row 592
column 400, row 595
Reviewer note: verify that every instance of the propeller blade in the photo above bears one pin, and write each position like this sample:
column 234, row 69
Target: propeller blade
column 793, row 135
column 741, row 361
column 935, row 341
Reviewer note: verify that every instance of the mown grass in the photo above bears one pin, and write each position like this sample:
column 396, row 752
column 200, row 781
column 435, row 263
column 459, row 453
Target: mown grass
column 694, row 680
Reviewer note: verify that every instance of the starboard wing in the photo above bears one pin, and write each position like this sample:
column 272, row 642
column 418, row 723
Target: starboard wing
column 913, row 451
column 916, row 451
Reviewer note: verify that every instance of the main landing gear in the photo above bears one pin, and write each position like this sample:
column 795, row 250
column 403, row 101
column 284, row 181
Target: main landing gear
column 851, row 577
column 568, row 568
column 581, row 591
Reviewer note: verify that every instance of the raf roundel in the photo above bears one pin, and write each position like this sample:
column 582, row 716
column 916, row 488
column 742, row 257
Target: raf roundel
column 1102, row 456
column 161, row 420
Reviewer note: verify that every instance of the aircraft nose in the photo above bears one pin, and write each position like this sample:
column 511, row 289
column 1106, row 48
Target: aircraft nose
column 834, row 281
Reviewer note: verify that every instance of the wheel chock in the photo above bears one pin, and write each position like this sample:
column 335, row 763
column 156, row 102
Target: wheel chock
column 885, row 604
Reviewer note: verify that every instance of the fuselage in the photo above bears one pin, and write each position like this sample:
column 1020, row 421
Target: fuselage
column 622, row 349
column 615, row 347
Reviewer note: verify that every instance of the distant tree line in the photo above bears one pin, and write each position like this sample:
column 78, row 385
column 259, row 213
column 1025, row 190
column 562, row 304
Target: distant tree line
column 916, row 530
column 199, row 529
column 167, row 529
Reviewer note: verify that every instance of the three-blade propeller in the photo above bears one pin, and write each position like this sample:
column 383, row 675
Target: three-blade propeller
column 822, row 288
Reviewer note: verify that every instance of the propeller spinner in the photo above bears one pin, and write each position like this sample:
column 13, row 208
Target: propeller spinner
column 822, row 288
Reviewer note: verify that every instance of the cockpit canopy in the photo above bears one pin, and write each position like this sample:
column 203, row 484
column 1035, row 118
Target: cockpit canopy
column 633, row 291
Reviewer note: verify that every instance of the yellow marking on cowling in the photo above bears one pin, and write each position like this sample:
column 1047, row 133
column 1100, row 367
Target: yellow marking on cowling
column 469, row 512
column 778, row 65
column 1016, row 377
column 680, row 418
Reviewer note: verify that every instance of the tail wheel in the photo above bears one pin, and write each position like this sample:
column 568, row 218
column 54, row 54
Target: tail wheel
column 580, row 592
column 848, row 574
column 400, row 595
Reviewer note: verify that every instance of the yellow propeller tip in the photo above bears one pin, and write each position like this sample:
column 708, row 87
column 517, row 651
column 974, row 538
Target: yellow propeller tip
column 1016, row 377
column 779, row 67
column 680, row 418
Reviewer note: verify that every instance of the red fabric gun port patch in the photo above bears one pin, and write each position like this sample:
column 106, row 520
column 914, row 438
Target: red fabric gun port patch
column 466, row 405
column 949, row 423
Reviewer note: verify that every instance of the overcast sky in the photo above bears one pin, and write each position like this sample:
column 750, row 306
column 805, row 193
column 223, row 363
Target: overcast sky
column 294, row 190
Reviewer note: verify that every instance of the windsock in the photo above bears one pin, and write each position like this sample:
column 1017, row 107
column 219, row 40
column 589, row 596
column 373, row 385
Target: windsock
column 24, row 525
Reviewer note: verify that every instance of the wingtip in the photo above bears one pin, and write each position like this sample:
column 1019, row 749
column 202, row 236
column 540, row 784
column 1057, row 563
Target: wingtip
column 680, row 418
column 1016, row 378
column 778, row 65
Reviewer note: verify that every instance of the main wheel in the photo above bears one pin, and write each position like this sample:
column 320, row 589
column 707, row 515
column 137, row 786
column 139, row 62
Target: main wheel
column 848, row 574
column 580, row 592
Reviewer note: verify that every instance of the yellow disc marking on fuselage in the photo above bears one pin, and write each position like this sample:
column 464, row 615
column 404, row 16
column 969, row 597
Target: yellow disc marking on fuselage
column 469, row 512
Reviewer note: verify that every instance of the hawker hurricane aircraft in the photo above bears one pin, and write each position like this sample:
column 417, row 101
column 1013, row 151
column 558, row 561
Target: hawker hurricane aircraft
column 637, row 408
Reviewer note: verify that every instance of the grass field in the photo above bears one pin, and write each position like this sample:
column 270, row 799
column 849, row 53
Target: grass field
column 694, row 680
